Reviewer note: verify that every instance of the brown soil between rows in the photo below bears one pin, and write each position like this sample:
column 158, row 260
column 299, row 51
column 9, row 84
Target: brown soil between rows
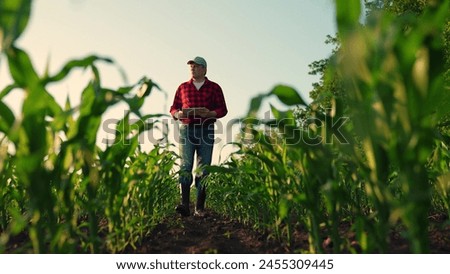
column 218, row 234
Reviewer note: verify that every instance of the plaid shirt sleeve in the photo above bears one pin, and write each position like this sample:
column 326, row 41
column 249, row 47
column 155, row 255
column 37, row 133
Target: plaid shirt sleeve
column 177, row 104
column 210, row 96
column 218, row 105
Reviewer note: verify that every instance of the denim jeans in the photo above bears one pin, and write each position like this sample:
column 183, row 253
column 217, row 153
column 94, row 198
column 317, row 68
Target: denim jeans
column 195, row 139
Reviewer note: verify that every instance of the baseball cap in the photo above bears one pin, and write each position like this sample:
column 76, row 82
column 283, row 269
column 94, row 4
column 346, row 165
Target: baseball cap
column 198, row 60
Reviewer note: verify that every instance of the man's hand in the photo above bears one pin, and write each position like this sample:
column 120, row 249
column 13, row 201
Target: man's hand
column 178, row 115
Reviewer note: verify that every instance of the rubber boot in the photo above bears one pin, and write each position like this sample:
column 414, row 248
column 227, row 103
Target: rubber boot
column 200, row 205
column 201, row 197
column 183, row 208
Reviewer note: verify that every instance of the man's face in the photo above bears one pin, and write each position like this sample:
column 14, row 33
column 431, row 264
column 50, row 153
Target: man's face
column 197, row 70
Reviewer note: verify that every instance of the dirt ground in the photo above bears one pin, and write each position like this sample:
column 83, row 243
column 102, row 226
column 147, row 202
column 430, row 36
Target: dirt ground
column 218, row 234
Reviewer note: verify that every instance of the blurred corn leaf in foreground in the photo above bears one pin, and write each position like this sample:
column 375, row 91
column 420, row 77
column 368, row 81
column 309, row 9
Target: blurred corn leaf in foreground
column 14, row 16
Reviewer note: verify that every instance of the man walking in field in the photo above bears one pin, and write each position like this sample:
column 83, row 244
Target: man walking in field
column 198, row 103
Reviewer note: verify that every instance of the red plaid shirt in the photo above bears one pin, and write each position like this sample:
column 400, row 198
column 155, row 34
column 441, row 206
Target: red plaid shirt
column 210, row 96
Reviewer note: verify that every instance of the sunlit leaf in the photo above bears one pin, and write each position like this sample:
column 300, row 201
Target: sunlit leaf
column 287, row 95
column 145, row 87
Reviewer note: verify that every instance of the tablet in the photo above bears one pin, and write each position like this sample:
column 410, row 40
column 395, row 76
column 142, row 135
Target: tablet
column 191, row 111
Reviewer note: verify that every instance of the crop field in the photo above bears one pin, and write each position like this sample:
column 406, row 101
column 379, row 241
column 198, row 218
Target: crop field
column 371, row 153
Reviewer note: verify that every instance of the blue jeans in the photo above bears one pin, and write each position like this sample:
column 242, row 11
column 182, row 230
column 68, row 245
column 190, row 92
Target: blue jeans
column 197, row 139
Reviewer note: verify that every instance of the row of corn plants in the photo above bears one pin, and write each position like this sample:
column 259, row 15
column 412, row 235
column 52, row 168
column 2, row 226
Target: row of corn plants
column 377, row 160
column 59, row 191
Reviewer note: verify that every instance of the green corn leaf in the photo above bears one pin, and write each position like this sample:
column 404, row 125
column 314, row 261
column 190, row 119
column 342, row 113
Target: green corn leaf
column 287, row 95
column 89, row 120
column 7, row 90
column 21, row 68
column 124, row 90
column 221, row 169
column 347, row 14
column 123, row 128
column 34, row 136
column 137, row 101
column 64, row 120
column 116, row 154
column 25, row 77
column 287, row 125
column 69, row 66
column 146, row 86
column 14, row 17
column 283, row 117
column 443, row 106
column 283, row 209
column 6, row 118
column 255, row 104
column 151, row 116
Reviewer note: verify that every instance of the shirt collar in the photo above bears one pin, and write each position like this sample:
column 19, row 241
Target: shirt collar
column 192, row 81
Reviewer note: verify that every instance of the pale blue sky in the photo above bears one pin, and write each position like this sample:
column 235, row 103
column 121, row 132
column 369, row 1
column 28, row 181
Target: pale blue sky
column 250, row 45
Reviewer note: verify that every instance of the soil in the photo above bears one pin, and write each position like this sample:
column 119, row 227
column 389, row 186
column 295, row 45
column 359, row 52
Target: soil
column 218, row 234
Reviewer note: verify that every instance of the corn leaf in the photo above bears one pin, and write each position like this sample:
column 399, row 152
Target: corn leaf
column 14, row 16
column 7, row 90
column 255, row 104
column 6, row 118
column 69, row 66
column 287, row 95
column 25, row 76
column 347, row 14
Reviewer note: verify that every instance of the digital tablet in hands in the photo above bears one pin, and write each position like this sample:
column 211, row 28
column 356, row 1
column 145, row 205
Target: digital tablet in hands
column 192, row 111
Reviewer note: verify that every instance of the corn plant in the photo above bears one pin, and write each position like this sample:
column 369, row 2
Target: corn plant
column 394, row 72
column 58, row 187
column 381, row 166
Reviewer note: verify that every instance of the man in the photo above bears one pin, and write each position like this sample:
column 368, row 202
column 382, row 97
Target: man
column 197, row 104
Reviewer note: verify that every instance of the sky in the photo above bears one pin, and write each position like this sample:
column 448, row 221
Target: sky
column 250, row 46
